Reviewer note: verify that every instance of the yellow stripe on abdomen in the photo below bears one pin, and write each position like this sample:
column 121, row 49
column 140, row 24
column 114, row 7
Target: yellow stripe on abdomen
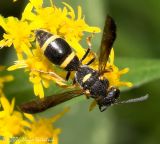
column 48, row 41
column 67, row 60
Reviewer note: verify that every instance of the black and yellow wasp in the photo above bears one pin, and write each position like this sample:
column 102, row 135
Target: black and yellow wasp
column 58, row 51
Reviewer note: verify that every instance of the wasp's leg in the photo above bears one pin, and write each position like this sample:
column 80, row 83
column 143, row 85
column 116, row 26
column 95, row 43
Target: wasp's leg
column 85, row 55
column 74, row 81
column 51, row 74
column 91, row 61
column 92, row 105
column 106, row 71
column 68, row 75
column 88, row 39
column 87, row 94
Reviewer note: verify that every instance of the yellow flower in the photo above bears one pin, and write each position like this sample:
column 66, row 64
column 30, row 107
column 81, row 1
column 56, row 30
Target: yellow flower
column 11, row 122
column 35, row 63
column 114, row 74
column 17, row 33
column 60, row 21
column 24, row 128
column 42, row 130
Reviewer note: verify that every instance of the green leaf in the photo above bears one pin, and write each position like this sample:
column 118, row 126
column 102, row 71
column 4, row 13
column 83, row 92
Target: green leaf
column 20, row 87
column 141, row 70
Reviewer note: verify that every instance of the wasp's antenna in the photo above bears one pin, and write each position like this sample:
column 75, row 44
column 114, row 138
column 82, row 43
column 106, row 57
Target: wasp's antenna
column 139, row 99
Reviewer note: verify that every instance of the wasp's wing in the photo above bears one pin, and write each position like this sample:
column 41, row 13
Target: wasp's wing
column 40, row 105
column 109, row 35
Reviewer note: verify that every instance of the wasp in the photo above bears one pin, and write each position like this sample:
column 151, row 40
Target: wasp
column 91, row 81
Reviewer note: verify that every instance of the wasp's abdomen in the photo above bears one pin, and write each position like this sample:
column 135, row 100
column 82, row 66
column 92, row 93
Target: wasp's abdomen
column 57, row 51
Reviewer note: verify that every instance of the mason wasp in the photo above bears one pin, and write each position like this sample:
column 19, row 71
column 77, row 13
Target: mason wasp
column 90, row 81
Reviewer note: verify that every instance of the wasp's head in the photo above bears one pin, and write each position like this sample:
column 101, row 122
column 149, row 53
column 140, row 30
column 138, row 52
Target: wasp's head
column 111, row 97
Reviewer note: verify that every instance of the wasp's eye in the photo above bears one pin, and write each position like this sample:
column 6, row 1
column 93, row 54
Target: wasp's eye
column 113, row 93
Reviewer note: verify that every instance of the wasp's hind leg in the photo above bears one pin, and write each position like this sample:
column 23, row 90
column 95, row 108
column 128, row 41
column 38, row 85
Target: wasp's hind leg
column 91, row 61
column 88, row 40
column 51, row 74
column 108, row 70
column 68, row 75
column 88, row 50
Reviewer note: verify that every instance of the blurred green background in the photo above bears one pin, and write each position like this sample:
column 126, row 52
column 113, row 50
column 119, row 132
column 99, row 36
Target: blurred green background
column 138, row 33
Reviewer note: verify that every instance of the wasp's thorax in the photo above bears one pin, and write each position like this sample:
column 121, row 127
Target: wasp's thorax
column 89, row 79
column 57, row 50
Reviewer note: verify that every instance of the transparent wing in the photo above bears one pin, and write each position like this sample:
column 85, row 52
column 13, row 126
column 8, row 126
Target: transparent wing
column 109, row 35
column 40, row 105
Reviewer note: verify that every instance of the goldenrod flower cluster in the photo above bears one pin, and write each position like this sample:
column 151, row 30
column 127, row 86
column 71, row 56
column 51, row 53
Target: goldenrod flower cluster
column 23, row 128
column 20, row 34
column 60, row 21
column 19, row 128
